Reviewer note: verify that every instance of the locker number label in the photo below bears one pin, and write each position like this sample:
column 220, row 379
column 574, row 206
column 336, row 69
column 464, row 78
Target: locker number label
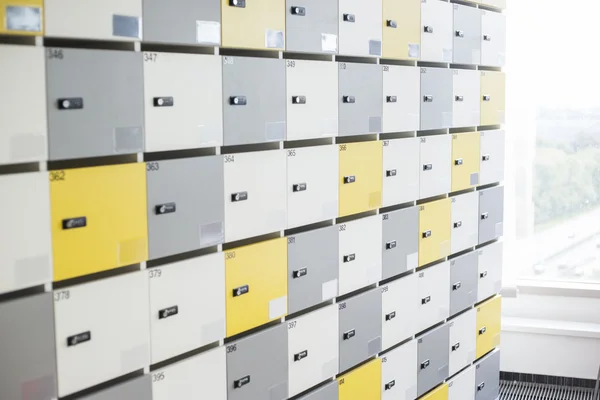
column 342, row 65
column 152, row 166
column 160, row 376
column 291, row 153
column 150, row 57
column 343, row 147
column 291, row 64
column 230, row 255
column 342, row 381
column 385, row 289
column 342, row 227
column 231, row 348
column 57, row 176
column 155, row 273
column 342, row 306
column 385, row 217
column 383, row 359
column 55, row 54
column 62, row 295
column 386, row 143
column 386, row 68
column 292, row 324
column 229, row 159
column 228, row 60
column 291, row 240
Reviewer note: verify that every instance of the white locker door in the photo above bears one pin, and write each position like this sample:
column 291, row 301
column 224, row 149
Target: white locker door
column 466, row 91
column 179, row 294
column 312, row 349
column 462, row 386
column 360, row 253
column 200, row 377
column 400, row 171
column 493, row 38
column 462, row 340
column 255, row 194
column 398, row 373
column 312, row 185
column 435, row 165
column 464, row 222
column 436, row 31
column 360, row 27
column 490, row 270
column 494, row 3
column 401, row 98
column 400, row 305
column 434, row 295
column 312, row 103
column 102, row 331
column 491, row 168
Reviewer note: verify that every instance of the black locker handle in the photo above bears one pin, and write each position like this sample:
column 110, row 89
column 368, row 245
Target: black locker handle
column 242, row 290
column 300, row 356
column 164, row 101
column 238, row 100
column 483, row 274
column 456, row 286
column 299, row 273
column 71, row 103
column 482, row 330
column 426, row 300
column 167, row 208
column 456, row 346
column 459, row 33
column 485, row 157
column 168, row 312
column 241, row 382
column 426, row 234
column 392, row 99
column 349, row 18
column 390, row 385
column 74, row 223
column 390, row 316
column 350, row 257
column 391, row 23
column 487, row 38
column 459, row 98
column 349, row 179
column 428, row 29
column 349, row 334
column 485, row 215
column 391, row 245
column 425, row 364
column 428, row 99
column 457, row 224
column 487, row 97
column 239, row 4
column 239, row 196
column 427, row 167
column 300, row 11
column 480, row 386
column 298, row 99
column 349, row 99
column 79, row 338
column 390, row 172
column 458, row 161
column 300, row 187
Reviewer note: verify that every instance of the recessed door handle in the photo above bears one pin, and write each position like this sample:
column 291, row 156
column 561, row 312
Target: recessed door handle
column 428, row 99
column 487, row 38
column 425, row 300
column 300, row 11
column 242, row 290
column 74, row 223
column 487, row 97
column 457, row 224
column 425, row 364
column 349, row 179
column 485, row 215
column 299, row 99
column 72, row 103
column 390, row 245
column 485, row 157
column 459, row 33
column 79, row 338
column 390, row 316
column 167, row 208
column 241, row 382
column 299, row 273
column 390, row 385
column 237, row 100
column 458, row 161
column 483, row 274
column 428, row 29
column 456, row 286
column 456, row 346
column 237, row 3
column 426, row 234
column 391, row 23
column 168, row 312
column 427, row 167
column 392, row 99
column 459, row 98
column 240, row 196
column 349, row 334
column 480, row 386
column 164, row 102
column 390, row 173
column 349, row 18
column 482, row 330
column 349, row 99
column 300, row 187
column 300, row 356
column 349, row 257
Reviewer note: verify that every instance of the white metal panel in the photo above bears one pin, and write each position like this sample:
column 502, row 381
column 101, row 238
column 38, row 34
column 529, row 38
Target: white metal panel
column 364, row 35
column 491, row 167
column 398, row 373
column 490, row 270
column 400, row 171
column 465, row 222
column 466, row 93
column 462, row 386
column 462, row 341
column 435, row 153
column 401, row 98
column 434, row 295
column 493, row 38
column 400, row 304
column 494, row 3
column 436, row 31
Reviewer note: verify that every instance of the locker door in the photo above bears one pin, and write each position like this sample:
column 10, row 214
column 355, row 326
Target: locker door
column 360, row 328
column 398, row 373
column 359, row 98
column 490, row 259
column 440, row 393
column 360, row 179
column 312, row 106
column 465, row 160
column 488, row 326
column 257, row 367
column 467, row 35
column 436, row 96
column 401, row 105
column 359, row 256
column 401, row 171
column 255, row 194
column 491, row 214
column 256, row 285
column 432, row 362
column 434, row 231
column 99, row 219
column 361, row 383
column 493, row 38
column 253, row 24
column 463, row 282
column 436, row 31
column 182, row 22
column 492, row 157
column 25, row 259
column 312, row 349
column 466, row 98
column 93, row 345
column 110, row 20
column 360, row 28
column 462, row 341
column 185, row 205
column 139, row 388
column 28, row 361
column 465, row 222
column 435, row 167
column 179, row 295
column 22, row 17
column 433, row 295
column 23, row 93
column 311, row 26
column 253, row 99
column 487, row 377
column 400, row 245
column 184, row 113
column 203, row 375
column 325, row 392
column 461, row 386
column 312, row 268
column 95, row 101
column 493, row 87
column 501, row 4
column 312, row 190
column 402, row 29
column 400, row 307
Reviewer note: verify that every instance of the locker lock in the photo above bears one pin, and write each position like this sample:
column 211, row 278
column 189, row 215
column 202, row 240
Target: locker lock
column 241, row 382
column 390, row 316
column 457, row 224
column 349, row 99
column 428, row 29
column 390, row 385
column 301, row 11
column 349, row 18
column 480, row 386
column 300, row 187
column 237, row 100
column 164, row 102
column 459, row 98
column 391, row 23
column 426, row 234
column 485, row 157
column 487, row 38
column 458, row 161
column 241, row 290
column 426, row 300
column 73, row 223
column 349, row 334
column 390, row 173
column 301, row 356
column 73, row 103
column 427, row 167
column 392, row 99
column 168, row 312
column 428, row 99
column 349, row 179
column 482, row 330
column 239, row 4
column 167, row 208
column 350, row 257
column 79, row 338
column 487, row 97
column 456, row 286
column 459, row 33
column 425, row 364
column 299, row 273
column 390, row 245
column 456, row 346
column 299, row 99
column 485, row 215
column 483, row 274
column 239, row 196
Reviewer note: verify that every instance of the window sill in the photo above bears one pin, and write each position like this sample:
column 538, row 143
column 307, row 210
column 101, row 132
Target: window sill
column 563, row 289
column 551, row 327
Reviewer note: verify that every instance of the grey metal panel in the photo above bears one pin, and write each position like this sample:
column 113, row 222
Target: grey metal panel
column 437, row 113
column 364, row 82
column 304, row 33
column 327, row 392
column 399, row 229
column 182, row 21
column 261, row 361
column 317, row 252
column 27, row 355
column 487, row 377
column 463, row 282
column 194, row 188
column 262, row 118
column 467, row 48
column 361, row 314
column 491, row 214
column 137, row 389
column 433, row 359
column 110, row 84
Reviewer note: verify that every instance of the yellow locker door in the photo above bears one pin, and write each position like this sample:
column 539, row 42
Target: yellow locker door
column 434, row 231
column 488, row 325
column 22, row 17
column 256, row 284
column 402, row 29
column 493, row 93
column 99, row 219
column 440, row 393
column 465, row 160
column 361, row 179
column 363, row 383
column 253, row 24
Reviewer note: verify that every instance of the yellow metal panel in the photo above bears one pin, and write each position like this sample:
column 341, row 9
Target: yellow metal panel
column 434, row 231
column 113, row 201
column 251, row 26
column 260, row 268
column 396, row 41
column 493, row 84
column 440, row 393
column 364, row 162
column 488, row 325
column 363, row 383
column 31, row 11
column 465, row 160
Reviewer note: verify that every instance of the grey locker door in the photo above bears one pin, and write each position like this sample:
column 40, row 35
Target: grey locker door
column 311, row 26
column 360, row 93
column 95, row 103
column 436, row 98
column 360, row 328
column 137, row 389
column 487, row 377
column 326, row 392
column 400, row 244
column 312, row 268
column 253, row 100
column 182, row 21
column 491, row 214
column 257, row 367
column 463, row 282
column 27, row 355
column 433, row 359
column 467, row 35
column 185, row 205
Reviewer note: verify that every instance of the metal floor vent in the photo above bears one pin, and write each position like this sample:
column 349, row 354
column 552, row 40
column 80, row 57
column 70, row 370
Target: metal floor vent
column 512, row 390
